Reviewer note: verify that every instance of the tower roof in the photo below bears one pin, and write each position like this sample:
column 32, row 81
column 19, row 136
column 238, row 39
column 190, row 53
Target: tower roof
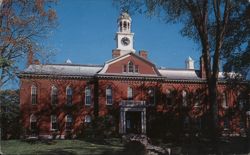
column 124, row 15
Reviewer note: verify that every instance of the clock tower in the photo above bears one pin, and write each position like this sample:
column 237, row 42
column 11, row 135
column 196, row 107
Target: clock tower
column 124, row 37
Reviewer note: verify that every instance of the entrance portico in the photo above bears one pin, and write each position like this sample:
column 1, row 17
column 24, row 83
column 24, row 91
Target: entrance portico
column 132, row 117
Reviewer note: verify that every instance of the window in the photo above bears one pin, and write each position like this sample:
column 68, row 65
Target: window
column 151, row 95
column 33, row 124
column 186, row 122
column 198, row 98
column 33, row 94
column 240, row 100
column 130, row 67
column 54, row 124
column 226, row 123
column 136, row 69
column 130, row 93
column 169, row 97
column 87, row 119
column 69, row 121
column 69, row 94
column 87, row 96
column 224, row 100
column 184, row 98
column 53, row 95
column 109, row 95
column 124, row 68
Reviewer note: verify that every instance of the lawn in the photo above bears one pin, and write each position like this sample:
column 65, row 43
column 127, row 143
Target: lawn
column 62, row 147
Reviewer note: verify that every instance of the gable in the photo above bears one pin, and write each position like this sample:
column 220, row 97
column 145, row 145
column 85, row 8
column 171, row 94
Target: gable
column 123, row 65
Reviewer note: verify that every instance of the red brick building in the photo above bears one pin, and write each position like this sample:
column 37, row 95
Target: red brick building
column 133, row 94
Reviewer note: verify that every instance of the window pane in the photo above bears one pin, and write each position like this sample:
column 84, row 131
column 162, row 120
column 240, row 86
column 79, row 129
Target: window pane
column 87, row 96
column 109, row 95
column 130, row 93
column 130, row 67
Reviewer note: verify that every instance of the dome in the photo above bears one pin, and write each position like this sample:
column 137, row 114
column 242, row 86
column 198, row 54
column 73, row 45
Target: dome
column 124, row 15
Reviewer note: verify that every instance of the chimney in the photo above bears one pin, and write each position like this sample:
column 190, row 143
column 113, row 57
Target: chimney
column 30, row 56
column 36, row 62
column 202, row 67
column 143, row 54
column 116, row 53
column 189, row 63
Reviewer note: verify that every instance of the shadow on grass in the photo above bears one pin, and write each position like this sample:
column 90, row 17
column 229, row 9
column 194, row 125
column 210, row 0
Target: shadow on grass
column 131, row 148
column 57, row 152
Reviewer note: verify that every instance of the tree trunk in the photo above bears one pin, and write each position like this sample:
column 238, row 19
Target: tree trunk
column 213, row 112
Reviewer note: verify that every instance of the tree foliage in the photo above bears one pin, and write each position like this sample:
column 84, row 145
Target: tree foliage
column 23, row 24
column 10, row 114
column 220, row 27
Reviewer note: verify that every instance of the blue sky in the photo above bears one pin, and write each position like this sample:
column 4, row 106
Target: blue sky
column 87, row 28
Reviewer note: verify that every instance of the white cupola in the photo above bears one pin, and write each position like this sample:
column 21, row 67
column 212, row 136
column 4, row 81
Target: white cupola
column 189, row 63
column 124, row 37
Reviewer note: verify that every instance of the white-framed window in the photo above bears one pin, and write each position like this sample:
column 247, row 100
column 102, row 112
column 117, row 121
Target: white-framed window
column 54, row 123
column 87, row 119
column 130, row 93
column 69, row 94
column 169, row 97
column 33, row 122
column 184, row 98
column 151, row 95
column 54, row 95
column 87, row 95
column 224, row 100
column 69, row 121
column 130, row 67
column 109, row 96
column 33, row 94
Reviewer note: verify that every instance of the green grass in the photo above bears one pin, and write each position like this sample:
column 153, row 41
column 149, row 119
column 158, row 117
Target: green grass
column 62, row 147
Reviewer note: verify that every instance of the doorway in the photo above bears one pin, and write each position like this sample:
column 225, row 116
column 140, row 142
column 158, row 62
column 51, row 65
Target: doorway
column 133, row 122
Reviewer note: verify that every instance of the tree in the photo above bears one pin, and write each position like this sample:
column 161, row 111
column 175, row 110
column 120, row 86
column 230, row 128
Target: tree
column 23, row 24
column 220, row 27
column 10, row 114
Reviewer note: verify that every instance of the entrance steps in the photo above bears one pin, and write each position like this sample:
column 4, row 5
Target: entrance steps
column 144, row 140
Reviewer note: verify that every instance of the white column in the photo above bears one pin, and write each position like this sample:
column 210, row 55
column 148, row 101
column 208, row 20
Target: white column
column 143, row 121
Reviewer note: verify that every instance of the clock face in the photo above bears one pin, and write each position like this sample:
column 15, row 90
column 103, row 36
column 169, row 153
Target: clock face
column 125, row 41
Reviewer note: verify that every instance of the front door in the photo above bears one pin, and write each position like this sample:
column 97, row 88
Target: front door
column 133, row 122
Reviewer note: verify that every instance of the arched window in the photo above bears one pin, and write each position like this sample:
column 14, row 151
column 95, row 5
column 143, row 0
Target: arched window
column 184, row 98
column 224, row 100
column 130, row 93
column 33, row 94
column 33, row 122
column 109, row 95
column 54, row 123
column 125, row 25
column 151, row 95
column 130, row 67
column 69, row 121
column 87, row 119
column 69, row 94
column 120, row 26
column 54, row 94
column 87, row 96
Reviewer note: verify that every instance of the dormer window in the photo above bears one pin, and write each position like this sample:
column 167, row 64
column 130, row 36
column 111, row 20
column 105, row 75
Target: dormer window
column 130, row 67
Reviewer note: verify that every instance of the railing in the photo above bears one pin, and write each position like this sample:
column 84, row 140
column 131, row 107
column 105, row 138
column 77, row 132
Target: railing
column 131, row 103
